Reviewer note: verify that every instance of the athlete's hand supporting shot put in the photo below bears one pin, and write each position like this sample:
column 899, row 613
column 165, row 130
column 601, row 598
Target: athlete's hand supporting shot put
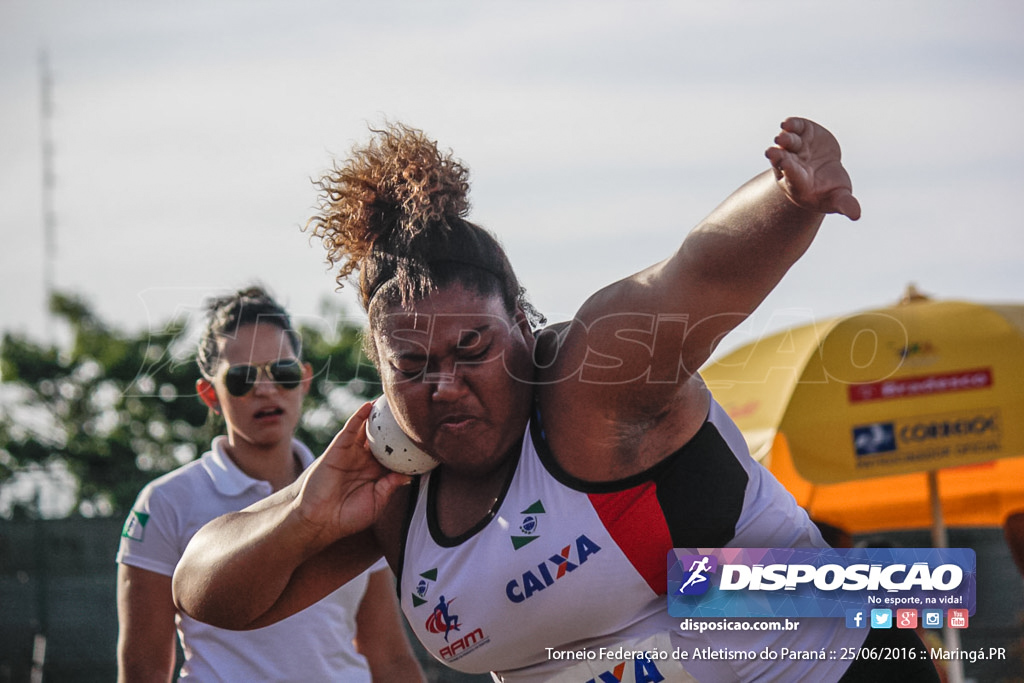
column 339, row 497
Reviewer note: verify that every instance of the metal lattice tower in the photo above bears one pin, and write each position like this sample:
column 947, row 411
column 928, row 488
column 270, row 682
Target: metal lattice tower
column 49, row 183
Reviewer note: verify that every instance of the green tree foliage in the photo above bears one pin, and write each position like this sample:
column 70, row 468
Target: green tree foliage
column 118, row 409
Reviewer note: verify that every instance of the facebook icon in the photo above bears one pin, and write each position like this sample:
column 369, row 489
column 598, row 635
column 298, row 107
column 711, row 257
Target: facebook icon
column 855, row 619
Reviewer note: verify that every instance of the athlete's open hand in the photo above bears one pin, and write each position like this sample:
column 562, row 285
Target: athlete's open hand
column 806, row 159
column 346, row 490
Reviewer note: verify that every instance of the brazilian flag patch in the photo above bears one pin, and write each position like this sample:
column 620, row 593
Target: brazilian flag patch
column 135, row 525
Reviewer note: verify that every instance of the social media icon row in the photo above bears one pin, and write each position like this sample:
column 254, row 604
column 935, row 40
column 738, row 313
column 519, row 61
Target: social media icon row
column 905, row 618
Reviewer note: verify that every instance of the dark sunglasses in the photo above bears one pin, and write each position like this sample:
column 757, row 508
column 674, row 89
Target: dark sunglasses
column 240, row 379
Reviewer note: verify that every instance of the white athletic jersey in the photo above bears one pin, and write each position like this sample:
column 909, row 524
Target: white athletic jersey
column 312, row 645
column 565, row 566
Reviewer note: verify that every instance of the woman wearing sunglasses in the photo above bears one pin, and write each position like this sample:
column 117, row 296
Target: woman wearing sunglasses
column 252, row 375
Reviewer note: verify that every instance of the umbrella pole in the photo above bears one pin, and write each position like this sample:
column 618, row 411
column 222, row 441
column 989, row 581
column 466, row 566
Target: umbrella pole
column 940, row 539
column 940, row 536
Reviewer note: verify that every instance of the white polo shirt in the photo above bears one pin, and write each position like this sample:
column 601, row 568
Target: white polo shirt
column 313, row 645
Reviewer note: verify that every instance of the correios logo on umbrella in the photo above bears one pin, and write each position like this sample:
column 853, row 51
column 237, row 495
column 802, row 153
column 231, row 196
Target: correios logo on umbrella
column 874, row 438
column 928, row 437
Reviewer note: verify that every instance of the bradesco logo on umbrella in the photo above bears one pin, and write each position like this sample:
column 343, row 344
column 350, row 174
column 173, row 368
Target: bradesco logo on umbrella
column 817, row 582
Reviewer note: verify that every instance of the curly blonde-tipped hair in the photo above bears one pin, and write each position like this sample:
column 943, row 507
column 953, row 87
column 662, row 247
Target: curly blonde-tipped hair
column 395, row 187
column 395, row 212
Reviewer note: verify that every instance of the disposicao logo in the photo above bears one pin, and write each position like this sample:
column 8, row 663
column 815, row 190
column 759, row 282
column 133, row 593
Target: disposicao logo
column 695, row 579
column 818, row 582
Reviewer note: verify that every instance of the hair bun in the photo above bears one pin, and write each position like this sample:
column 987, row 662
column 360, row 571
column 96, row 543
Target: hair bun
column 397, row 187
column 425, row 185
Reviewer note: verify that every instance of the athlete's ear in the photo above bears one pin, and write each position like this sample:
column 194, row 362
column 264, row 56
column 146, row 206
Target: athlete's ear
column 522, row 322
column 208, row 394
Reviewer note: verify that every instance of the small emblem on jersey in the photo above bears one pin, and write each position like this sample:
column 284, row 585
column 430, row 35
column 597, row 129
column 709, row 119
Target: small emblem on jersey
column 135, row 526
column 644, row 671
column 695, row 578
column 442, row 620
column 419, row 597
column 464, row 645
column 528, row 527
column 459, row 642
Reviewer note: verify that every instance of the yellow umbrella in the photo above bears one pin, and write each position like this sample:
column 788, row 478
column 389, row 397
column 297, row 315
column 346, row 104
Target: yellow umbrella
column 920, row 386
column 857, row 415
column 971, row 496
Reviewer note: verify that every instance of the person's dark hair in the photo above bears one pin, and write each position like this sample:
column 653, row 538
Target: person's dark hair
column 395, row 212
column 225, row 314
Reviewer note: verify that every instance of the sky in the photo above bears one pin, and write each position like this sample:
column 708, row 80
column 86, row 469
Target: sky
column 186, row 137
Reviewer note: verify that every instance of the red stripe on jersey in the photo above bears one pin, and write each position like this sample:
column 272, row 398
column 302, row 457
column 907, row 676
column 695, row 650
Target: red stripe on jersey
column 636, row 523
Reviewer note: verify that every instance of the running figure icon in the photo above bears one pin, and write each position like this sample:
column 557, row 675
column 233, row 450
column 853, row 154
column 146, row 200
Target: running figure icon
column 451, row 621
column 696, row 570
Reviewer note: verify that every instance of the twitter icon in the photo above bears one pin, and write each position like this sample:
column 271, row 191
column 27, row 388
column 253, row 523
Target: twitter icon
column 881, row 618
